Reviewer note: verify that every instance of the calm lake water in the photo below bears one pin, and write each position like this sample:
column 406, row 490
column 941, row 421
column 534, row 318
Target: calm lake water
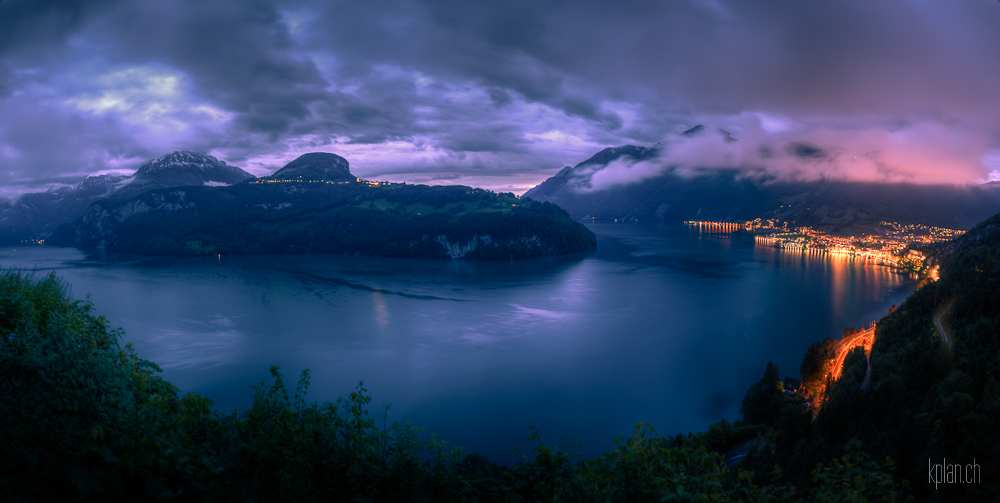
column 660, row 325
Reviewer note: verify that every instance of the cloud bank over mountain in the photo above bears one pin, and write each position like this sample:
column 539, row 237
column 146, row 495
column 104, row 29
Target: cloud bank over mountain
column 924, row 152
column 501, row 95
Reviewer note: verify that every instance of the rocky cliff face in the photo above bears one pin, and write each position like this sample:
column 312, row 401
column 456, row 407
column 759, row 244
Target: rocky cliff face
column 99, row 225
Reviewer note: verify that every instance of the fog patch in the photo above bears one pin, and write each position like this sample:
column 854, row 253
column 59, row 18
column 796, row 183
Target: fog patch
column 925, row 152
column 622, row 171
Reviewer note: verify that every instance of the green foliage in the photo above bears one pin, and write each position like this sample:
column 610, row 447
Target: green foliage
column 719, row 436
column 645, row 468
column 289, row 450
column 83, row 415
column 814, row 363
column 84, row 419
column 762, row 403
column 855, row 477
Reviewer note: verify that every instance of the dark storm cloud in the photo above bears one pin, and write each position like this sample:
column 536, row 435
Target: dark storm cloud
column 6, row 75
column 380, row 109
column 30, row 29
column 86, row 144
column 785, row 56
column 496, row 45
column 805, row 151
column 238, row 53
column 854, row 66
column 499, row 97
column 493, row 89
column 32, row 26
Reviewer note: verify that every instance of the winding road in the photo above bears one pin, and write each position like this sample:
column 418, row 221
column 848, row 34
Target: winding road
column 868, row 373
column 864, row 338
column 939, row 323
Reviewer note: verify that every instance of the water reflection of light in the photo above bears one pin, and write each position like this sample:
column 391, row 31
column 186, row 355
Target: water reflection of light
column 576, row 286
column 567, row 298
column 210, row 349
column 848, row 274
column 219, row 341
column 542, row 314
column 841, row 270
column 381, row 312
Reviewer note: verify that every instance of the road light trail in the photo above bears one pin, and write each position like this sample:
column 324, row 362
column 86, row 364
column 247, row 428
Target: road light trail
column 835, row 367
column 863, row 339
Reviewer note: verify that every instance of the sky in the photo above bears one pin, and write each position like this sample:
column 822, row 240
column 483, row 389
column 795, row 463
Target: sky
column 502, row 95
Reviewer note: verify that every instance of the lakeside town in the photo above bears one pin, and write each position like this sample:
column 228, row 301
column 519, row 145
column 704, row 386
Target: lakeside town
column 370, row 183
column 895, row 244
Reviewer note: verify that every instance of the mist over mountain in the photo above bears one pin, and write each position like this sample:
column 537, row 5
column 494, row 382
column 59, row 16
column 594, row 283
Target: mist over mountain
column 34, row 216
column 639, row 183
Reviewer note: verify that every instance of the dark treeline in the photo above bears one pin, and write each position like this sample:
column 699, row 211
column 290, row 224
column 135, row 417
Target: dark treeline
column 276, row 218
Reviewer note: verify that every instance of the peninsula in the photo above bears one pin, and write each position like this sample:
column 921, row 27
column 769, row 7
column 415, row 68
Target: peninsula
column 315, row 205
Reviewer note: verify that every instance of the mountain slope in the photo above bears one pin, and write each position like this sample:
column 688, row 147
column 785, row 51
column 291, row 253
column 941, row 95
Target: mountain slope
column 35, row 215
column 182, row 168
column 930, row 401
column 730, row 195
column 278, row 215
column 927, row 403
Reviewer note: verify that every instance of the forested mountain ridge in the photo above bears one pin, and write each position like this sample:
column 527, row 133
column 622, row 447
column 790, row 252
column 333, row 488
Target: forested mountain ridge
column 939, row 392
column 34, row 216
column 836, row 206
column 314, row 205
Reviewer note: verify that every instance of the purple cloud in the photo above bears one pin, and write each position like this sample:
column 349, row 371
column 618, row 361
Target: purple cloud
column 501, row 95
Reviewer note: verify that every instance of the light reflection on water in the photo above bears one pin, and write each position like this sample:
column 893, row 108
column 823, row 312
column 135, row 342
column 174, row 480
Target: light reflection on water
column 848, row 277
column 658, row 325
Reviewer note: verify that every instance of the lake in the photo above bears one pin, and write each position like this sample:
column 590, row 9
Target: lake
column 660, row 324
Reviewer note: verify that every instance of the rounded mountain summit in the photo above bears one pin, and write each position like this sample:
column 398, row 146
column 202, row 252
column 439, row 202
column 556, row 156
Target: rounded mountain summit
column 317, row 166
